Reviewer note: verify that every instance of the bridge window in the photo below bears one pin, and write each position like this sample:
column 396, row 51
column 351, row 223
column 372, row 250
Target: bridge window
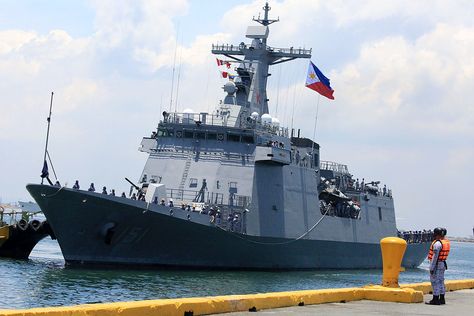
column 193, row 182
column 233, row 187
column 211, row 136
column 233, row 137
column 188, row 134
column 199, row 135
column 248, row 139
column 165, row 133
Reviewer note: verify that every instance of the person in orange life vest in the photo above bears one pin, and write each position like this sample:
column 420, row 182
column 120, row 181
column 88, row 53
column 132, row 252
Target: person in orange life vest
column 437, row 256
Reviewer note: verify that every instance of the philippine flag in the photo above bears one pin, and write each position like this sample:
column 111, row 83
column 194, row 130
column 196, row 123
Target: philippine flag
column 318, row 82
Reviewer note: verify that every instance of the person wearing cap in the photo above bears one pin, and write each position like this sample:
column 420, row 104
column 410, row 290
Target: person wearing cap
column 439, row 251
column 91, row 188
column 76, row 185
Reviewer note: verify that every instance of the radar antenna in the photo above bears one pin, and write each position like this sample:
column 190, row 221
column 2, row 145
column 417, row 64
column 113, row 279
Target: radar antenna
column 265, row 21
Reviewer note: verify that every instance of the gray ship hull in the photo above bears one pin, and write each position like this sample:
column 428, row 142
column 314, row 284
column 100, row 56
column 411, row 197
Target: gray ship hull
column 93, row 228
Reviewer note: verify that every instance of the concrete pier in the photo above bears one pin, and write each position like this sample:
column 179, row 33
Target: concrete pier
column 457, row 303
column 367, row 296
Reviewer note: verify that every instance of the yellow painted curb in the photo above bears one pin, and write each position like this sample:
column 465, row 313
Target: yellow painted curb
column 399, row 295
column 451, row 285
column 408, row 293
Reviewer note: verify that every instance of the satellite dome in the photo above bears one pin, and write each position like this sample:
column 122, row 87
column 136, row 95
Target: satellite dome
column 230, row 87
column 188, row 111
column 266, row 119
column 275, row 122
column 254, row 115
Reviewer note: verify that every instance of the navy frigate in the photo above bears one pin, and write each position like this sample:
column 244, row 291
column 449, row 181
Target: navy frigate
column 230, row 189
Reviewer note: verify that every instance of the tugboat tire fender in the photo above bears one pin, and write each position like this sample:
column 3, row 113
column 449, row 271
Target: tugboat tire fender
column 35, row 224
column 22, row 224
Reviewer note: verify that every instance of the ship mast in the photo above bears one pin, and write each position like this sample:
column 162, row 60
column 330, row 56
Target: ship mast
column 253, row 68
column 265, row 21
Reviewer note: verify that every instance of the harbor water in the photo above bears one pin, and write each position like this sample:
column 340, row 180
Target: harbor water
column 45, row 281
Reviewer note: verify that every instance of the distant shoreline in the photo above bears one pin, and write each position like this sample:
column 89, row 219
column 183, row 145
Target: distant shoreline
column 461, row 239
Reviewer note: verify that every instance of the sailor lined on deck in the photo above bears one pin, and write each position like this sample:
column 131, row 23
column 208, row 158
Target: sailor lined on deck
column 91, row 187
column 76, row 185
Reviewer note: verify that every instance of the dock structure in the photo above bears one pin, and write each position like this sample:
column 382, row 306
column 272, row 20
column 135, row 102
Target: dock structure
column 408, row 293
column 460, row 303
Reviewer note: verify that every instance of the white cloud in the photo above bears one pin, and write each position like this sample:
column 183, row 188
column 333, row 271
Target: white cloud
column 140, row 23
column 12, row 40
column 393, row 78
column 197, row 53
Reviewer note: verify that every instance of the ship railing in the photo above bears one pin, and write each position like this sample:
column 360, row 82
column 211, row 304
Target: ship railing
column 237, row 49
column 205, row 118
column 228, row 48
column 231, row 219
column 223, row 157
column 276, row 130
column 189, row 196
column 417, row 236
column 231, row 215
column 334, row 166
column 291, row 50
column 211, row 198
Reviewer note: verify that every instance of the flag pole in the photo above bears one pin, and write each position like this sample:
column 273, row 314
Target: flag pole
column 316, row 119
column 47, row 132
column 314, row 131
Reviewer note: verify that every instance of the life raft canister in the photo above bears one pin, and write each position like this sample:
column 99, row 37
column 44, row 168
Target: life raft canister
column 443, row 253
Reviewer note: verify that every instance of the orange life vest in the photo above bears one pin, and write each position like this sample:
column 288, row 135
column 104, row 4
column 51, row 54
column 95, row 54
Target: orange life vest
column 443, row 253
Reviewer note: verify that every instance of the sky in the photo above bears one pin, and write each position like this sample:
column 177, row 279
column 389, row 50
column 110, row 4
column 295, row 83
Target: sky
column 402, row 71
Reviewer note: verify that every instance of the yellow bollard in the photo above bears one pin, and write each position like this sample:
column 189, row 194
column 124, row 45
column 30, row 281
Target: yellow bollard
column 393, row 249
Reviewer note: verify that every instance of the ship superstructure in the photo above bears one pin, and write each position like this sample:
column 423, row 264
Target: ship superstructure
column 230, row 189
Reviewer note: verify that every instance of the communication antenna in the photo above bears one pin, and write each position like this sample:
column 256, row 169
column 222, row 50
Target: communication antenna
column 177, row 84
column 174, row 67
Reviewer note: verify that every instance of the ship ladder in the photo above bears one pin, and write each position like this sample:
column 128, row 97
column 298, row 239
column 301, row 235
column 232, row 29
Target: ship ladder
column 185, row 174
